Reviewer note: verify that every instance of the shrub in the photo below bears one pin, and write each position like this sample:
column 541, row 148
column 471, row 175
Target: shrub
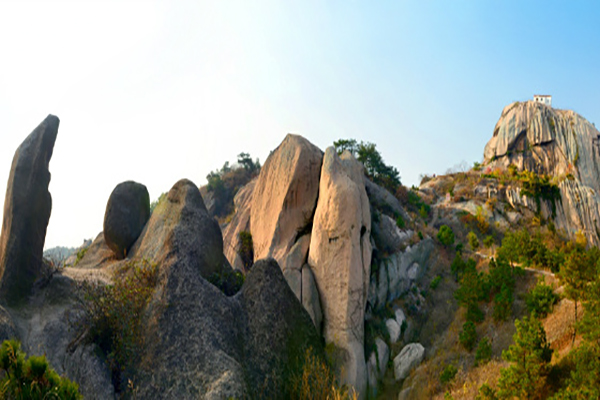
column 468, row 335
column 473, row 241
column 484, row 351
column 157, row 201
column 448, row 373
column 229, row 282
column 503, row 304
column 445, row 235
column 435, row 282
column 486, row 393
column 246, row 250
column 420, row 235
column 80, row 255
column 400, row 222
column 541, row 300
column 488, row 241
column 112, row 315
column 31, row 378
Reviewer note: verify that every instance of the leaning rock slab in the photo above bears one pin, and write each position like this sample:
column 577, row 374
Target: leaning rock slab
column 285, row 197
column 27, row 208
column 340, row 258
column 127, row 211
column 410, row 357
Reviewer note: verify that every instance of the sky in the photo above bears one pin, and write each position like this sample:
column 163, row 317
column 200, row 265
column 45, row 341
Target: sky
column 158, row 91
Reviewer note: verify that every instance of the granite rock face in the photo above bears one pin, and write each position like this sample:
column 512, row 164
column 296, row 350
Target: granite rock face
column 27, row 208
column 410, row 357
column 127, row 212
column 340, row 258
column 285, row 197
column 558, row 143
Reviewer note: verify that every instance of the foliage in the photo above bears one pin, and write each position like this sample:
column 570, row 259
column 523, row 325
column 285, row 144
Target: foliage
column 448, row 373
column 435, row 282
column 31, row 378
column 541, row 299
column 488, row 241
column 157, row 201
column 375, row 168
column 468, row 335
column 473, row 241
column 503, row 304
column 228, row 281
column 486, row 393
column 584, row 380
column 112, row 315
column 484, row 351
column 246, row 250
column 400, row 222
column 225, row 183
column 80, row 255
column 445, row 235
column 471, row 291
column 317, row 381
column 530, row 357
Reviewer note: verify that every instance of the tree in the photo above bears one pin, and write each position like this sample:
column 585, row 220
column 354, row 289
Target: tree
column 541, row 299
column 470, row 292
column 503, row 304
column 468, row 335
column 530, row 357
column 445, row 235
column 346, row 144
column 473, row 241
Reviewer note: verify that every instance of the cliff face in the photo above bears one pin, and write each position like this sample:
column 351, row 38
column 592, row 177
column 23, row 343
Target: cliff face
column 558, row 143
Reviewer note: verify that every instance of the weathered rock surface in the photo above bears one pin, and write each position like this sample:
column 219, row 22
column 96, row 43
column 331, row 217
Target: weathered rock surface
column 410, row 357
column 27, row 208
column 285, row 197
column 239, row 223
column 340, row 258
column 377, row 365
column 293, row 263
column 558, row 143
column 310, row 297
column 127, row 212
column 393, row 329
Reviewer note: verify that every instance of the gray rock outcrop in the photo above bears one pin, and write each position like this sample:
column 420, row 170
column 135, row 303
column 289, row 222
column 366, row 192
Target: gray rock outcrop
column 558, row 143
column 410, row 357
column 340, row 258
column 27, row 208
column 127, row 212
column 376, row 365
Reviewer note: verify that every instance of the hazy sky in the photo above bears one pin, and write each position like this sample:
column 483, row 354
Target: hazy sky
column 159, row 91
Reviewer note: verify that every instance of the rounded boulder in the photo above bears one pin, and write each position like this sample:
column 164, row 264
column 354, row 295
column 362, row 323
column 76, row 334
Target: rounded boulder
column 127, row 212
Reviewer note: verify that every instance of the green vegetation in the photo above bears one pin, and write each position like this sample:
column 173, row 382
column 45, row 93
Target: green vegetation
column 483, row 354
column 488, row 241
column 468, row 335
column 246, row 250
column 473, row 241
column 375, row 168
column 541, row 300
column 112, row 316
column 31, row 378
column 445, row 235
column 80, row 255
column 448, row 373
column 228, row 281
column 226, row 182
column 157, row 201
column 435, row 282
column 400, row 222
column 530, row 357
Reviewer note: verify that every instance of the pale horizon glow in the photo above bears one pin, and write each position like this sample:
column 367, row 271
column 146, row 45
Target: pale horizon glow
column 157, row 91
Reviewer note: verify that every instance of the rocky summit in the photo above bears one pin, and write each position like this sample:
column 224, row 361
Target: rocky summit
column 323, row 275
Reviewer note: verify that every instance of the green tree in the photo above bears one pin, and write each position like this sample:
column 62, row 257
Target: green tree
column 484, row 351
column 31, row 378
column 468, row 336
column 445, row 235
column 488, row 241
column 584, row 379
column 473, row 241
column 541, row 299
column 503, row 304
column 471, row 291
column 246, row 250
column 346, row 144
column 530, row 357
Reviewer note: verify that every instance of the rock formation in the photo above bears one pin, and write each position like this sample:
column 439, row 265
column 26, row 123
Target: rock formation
column 340, row 258
column 239, row 223
column 410, row 357
column 27, row 208
column 127, row 211
column 285, row 197
column 558, row 143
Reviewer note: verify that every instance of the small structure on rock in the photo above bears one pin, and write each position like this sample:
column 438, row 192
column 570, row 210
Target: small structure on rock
column 543, row 98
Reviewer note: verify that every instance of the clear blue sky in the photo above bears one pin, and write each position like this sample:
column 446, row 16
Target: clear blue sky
column 158, row 91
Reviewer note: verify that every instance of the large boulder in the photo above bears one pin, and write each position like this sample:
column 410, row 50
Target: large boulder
column 127, row 212
column 278, row 331
column 377, row 365
column 285, row 197
column 410, row 357
column 340, row 259
column 27, row 208
column 239, row 223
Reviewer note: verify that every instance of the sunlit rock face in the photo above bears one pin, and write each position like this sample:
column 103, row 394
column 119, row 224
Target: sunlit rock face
column 559, row 143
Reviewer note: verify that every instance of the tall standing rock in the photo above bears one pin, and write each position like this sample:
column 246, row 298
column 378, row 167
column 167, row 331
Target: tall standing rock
column 340, row 258
column 27, row 208
column 127, row 212
column 285, row 197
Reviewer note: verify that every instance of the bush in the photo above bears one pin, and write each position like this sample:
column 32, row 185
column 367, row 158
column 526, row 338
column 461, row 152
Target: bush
column 503, row 304
column 31, row 378
column 435, row 282
column 246, row 250
column 112, row 315
column 483, row 354
column 468, row 335
column 229, row 282
column 541, row 300
column 488, row 241
column 400, row 222
column 448, row 373
column 473, row 241
column 445, row 235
